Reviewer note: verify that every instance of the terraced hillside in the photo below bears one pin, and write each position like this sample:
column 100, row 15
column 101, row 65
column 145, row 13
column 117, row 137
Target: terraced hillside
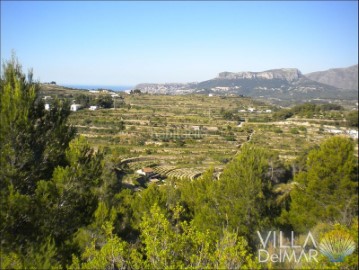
column 181, row 130
column 182, row 136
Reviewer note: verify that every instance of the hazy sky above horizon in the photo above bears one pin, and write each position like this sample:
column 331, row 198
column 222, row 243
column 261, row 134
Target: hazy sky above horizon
column 125, row 43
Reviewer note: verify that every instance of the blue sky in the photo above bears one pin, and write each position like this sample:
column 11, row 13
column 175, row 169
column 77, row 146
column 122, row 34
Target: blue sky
column 125, row 43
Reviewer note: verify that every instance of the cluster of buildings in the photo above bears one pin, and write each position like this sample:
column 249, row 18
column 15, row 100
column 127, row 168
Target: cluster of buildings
column 350, row 132
column 76, row 107
column 73, row 107
column 252, row 110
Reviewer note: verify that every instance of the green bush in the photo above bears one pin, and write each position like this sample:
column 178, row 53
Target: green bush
column 230, row 138
column 282, row 114
column 277, row 130
column 352, row 119
column 331, row 107
column 294, row 131
column 302, row 128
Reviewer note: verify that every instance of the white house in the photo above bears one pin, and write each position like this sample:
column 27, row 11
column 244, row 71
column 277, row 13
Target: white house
column 268, row 111
column 335, row 131
column 93, row 108
column 353, row 133
column 47, row 107
column 250, row 109
column 75, row 107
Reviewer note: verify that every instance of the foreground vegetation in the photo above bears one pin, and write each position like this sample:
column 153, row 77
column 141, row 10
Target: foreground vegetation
column 70, row 201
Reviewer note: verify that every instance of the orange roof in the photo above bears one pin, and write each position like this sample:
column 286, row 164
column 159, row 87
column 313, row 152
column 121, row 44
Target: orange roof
column 147, row 170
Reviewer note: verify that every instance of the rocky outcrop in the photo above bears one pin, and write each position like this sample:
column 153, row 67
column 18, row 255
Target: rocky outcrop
column 287, row 74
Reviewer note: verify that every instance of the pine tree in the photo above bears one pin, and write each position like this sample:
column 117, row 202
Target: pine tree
column 32, row 140
column 328, row 190
column 32, row 143
column 48, row 181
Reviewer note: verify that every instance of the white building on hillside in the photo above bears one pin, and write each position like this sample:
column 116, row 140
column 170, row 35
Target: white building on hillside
column 335, row 131
column 353, row 133
column 75, row 107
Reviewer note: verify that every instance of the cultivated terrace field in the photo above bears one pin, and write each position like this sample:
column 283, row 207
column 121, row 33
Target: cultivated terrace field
column 182, row 136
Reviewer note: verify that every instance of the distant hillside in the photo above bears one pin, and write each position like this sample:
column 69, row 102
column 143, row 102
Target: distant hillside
column 344, row 78
column 282, row 84
column 167, row 88
column 59, row 91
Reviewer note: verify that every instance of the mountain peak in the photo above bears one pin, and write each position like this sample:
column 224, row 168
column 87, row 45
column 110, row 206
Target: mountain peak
column 345, row 78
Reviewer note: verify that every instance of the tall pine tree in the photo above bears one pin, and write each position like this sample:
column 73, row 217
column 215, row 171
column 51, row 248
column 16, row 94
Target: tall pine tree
column 328, row 186
column 48, row 181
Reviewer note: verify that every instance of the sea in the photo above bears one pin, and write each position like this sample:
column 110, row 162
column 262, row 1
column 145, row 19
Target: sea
column 99, row 86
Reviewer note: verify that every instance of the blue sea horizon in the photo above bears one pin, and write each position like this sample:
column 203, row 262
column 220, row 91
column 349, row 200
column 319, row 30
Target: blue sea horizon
column 99, row 86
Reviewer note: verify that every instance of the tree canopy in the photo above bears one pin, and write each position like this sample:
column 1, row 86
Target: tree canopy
column 47, row 178
column 328, row 184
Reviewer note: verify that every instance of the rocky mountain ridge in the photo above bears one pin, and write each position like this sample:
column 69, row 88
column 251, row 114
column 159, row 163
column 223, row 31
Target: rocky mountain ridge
column 288, row 74
column 281, row 84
